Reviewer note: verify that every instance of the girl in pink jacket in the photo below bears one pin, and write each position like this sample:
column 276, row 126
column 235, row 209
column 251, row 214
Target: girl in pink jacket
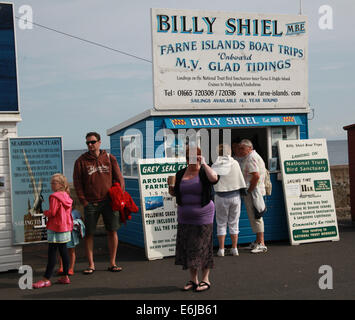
column 59, row 227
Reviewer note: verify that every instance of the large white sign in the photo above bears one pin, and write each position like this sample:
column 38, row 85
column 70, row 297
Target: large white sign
column 308, row 190
column 159, row 211
column 229, row 60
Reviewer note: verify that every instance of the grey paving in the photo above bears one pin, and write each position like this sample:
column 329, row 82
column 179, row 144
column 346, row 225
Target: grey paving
column 285, row 272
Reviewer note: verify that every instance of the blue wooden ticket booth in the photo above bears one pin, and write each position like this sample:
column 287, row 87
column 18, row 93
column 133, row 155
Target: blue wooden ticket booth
column 225, row 76
column 145, row 132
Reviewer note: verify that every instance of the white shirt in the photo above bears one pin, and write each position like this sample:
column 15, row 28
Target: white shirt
column 253, row 163
column 231, row 177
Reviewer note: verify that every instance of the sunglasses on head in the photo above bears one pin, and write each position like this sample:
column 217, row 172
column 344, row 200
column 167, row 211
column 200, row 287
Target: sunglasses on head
column 91, row 142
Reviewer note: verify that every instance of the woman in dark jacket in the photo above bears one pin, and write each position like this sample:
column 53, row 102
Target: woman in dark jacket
column 194, row 247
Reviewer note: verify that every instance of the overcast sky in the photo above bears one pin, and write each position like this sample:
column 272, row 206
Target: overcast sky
column 69, row 87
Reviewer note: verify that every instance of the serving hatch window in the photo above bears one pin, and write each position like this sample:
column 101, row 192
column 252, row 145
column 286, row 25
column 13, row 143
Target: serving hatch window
column 130, row 153
column 208, row 140
column 280, row 133
column 176, row 141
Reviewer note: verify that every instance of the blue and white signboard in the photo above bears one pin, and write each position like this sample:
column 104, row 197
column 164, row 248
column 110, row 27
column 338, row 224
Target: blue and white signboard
column 195, row 121
column 8, row 71
column 158, row 207
column 33, row 161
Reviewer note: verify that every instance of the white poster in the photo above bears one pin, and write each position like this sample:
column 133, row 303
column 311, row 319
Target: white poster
column 229, row 60
column 308, row 191
column 159, row 210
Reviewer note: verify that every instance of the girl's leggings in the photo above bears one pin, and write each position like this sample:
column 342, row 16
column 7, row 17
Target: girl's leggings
column 52, row 258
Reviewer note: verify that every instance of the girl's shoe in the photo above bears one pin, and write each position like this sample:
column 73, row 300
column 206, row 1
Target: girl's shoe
column 63, row 281
column 41, row 284
column 220, row 253
column 70, row 272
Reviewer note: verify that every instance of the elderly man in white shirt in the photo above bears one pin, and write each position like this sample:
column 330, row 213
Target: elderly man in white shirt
column 253, row 169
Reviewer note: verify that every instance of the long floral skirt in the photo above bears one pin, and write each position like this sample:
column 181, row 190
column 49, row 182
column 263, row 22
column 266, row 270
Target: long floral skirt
column 194, row 246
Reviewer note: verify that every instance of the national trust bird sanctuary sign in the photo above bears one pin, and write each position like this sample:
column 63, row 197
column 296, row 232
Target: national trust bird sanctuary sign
column 222, row 60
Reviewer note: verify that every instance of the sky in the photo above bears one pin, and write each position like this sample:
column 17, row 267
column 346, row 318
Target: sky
column 69, row 87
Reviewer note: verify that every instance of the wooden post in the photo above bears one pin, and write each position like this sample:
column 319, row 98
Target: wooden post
column 351, row 151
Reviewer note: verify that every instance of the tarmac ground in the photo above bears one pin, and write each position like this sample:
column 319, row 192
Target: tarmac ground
column 285, row 272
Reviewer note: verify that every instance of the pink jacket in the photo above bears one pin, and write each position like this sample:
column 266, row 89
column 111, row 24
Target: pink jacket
column 59, row 213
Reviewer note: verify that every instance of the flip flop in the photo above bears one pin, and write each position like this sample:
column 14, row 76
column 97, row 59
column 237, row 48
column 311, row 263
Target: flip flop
column 201, row 285
column 89, row 271
column 192, row 284
column 114, row 269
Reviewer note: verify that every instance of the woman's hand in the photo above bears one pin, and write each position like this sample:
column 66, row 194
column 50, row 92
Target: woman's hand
column 201, row 159
column 211, row 174
column 171, row 191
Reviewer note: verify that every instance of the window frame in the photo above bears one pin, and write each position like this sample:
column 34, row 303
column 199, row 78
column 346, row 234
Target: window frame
column 122, row 149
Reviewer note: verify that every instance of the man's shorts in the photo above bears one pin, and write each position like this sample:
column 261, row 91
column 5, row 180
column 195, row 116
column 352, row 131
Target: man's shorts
column 92, row 213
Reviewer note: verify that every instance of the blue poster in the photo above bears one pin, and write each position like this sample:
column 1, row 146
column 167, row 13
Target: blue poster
column 8, row 73
column 33, row 161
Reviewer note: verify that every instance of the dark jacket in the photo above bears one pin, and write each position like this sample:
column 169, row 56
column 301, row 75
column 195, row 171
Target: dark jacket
column 206, row 196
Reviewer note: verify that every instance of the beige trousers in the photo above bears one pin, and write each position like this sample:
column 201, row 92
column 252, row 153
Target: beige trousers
column 257, row 225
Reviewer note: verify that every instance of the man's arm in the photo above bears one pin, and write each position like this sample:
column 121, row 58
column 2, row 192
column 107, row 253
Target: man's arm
column 254, row 181
column 116, row 172
column 78, row 184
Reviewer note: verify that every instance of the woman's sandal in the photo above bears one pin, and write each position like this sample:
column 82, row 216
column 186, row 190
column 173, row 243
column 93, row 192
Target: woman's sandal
column 203, row 284
column 89, row 271
column 191, row 286
column 114, row 269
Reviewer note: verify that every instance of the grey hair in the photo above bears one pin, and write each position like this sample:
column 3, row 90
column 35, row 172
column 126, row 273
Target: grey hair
column 247, row 143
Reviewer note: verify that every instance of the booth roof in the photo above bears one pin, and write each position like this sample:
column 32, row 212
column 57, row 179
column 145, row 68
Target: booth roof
column 349, row 127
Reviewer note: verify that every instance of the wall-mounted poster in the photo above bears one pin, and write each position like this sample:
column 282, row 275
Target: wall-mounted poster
column 308, row 190
column 159, row 210
column 229, row 60
column 8, row 69
column 33, row 161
